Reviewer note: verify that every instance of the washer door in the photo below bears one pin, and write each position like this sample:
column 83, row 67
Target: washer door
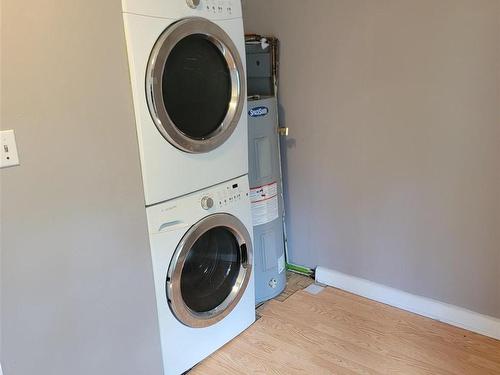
column 209, row 271
column 195, row 85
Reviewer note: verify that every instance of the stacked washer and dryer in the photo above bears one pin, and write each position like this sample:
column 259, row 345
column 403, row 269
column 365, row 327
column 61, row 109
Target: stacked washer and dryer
column 187, row 70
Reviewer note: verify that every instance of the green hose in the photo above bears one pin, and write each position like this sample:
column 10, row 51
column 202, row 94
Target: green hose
column 300, row 269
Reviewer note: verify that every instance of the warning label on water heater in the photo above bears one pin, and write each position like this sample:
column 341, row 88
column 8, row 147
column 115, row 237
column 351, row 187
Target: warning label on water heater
column 264, row 201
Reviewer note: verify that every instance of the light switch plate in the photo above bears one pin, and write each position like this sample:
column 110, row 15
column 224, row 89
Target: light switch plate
column 8, row 149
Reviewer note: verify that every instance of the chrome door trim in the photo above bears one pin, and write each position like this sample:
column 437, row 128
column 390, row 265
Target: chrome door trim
column 154, row 90
column 173, row 283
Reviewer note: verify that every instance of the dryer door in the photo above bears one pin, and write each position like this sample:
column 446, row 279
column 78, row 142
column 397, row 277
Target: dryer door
column 209, row 271
column 195, row 85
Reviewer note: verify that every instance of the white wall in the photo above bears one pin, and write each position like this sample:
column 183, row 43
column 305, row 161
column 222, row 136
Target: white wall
column 76, row 277
column 392, row 167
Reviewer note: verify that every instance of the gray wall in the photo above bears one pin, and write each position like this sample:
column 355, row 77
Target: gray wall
column 76, row 277
column 392, row 167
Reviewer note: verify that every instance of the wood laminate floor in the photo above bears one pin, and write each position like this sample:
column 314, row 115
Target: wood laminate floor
column 335, row 332
column 294, row 283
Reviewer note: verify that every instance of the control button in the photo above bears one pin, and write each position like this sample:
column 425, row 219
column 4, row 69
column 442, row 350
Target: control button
column 207, row 203
column 193, row 4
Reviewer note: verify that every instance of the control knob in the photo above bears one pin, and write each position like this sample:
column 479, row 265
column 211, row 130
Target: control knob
column 193, row 3
column 207, row 203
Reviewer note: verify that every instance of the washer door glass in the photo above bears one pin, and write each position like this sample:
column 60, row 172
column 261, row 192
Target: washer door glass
column 195, row 85
column 209, row 271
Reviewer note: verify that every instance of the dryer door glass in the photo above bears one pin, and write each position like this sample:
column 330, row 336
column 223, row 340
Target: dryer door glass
column 209, row 271
column 195, row 85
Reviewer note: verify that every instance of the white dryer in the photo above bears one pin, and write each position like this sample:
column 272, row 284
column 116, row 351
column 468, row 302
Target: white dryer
column 201, row 248
column 187, row 67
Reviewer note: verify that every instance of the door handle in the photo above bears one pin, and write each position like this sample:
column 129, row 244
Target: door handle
column 169, row 225
column 244, row 255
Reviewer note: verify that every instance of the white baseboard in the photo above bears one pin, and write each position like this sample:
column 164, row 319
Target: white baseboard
column 454, row 315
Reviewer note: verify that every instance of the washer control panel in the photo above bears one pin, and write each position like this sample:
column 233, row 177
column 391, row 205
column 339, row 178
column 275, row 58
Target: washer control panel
column 223, row 196
column 216, row 7
column 182, row 212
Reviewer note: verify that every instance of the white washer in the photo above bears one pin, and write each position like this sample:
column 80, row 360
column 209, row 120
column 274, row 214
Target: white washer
column 187, row 67
column 201, row 248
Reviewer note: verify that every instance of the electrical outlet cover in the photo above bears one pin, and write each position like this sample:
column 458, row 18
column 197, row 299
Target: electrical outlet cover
column 8, row 149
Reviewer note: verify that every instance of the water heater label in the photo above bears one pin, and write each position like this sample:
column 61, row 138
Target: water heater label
column 281, row 263
column 264, row 200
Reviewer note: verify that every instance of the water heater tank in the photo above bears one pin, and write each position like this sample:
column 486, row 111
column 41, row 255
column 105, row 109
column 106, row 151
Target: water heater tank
column 266, row 198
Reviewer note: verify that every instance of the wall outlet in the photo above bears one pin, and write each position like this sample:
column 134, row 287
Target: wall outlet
column 8, row 149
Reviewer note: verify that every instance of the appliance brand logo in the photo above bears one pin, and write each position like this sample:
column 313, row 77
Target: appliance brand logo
column 258, row 111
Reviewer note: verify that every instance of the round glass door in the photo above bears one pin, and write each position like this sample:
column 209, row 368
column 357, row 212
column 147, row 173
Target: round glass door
column 195, row 85
column 209, row 271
